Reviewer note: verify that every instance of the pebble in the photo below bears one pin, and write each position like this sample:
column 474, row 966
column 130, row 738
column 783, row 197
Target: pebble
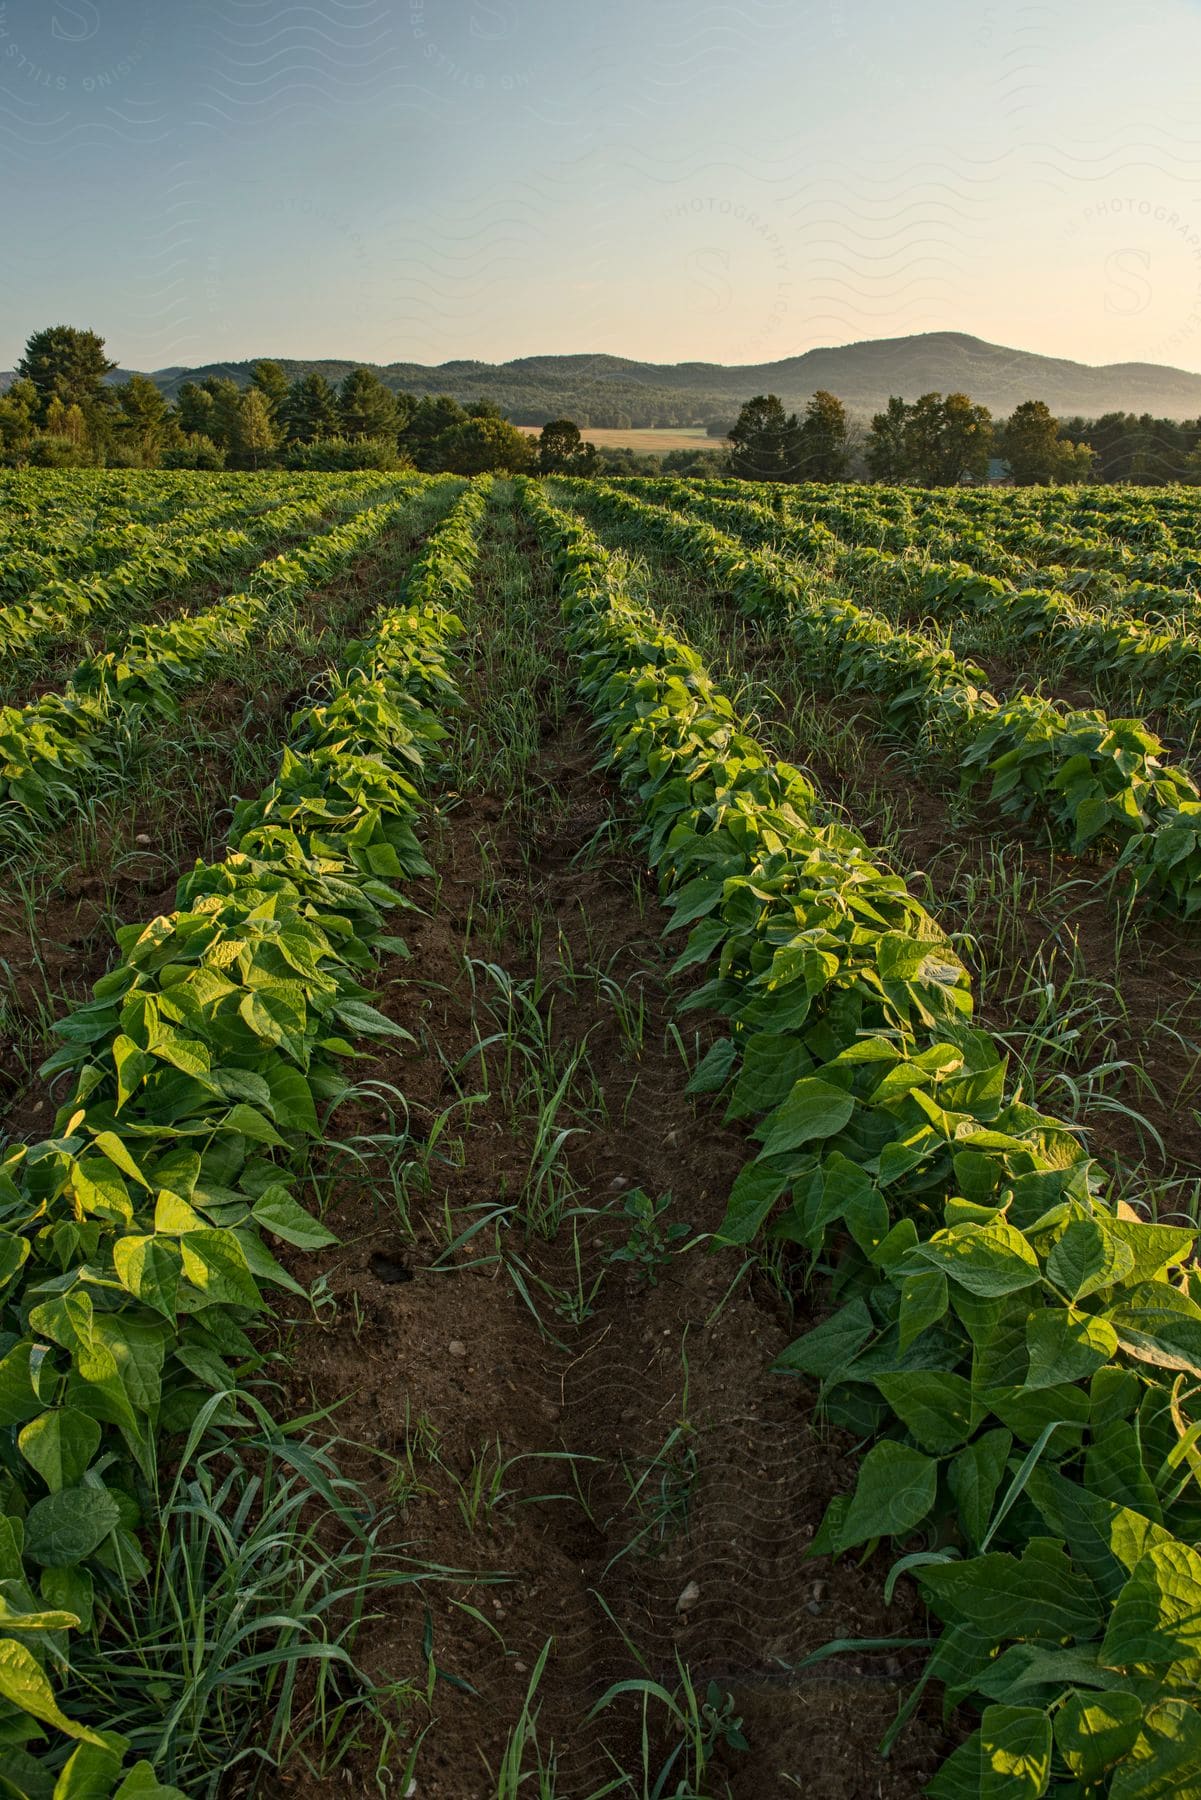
column 520, row 1667
column 689, row 1597
column 671, row 1140
column 618, row 1182
column 457, row 1347
column 143, row 837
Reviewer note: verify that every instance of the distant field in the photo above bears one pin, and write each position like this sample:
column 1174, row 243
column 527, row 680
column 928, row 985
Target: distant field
column 652, row 438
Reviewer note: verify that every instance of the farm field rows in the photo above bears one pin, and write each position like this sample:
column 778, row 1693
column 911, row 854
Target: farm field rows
column 602, row 1140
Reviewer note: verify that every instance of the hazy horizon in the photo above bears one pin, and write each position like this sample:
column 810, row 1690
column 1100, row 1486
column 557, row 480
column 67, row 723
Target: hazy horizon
column 437, row 180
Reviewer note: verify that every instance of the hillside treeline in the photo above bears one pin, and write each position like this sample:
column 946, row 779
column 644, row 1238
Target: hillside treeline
column 65, row 409
column 944, row 441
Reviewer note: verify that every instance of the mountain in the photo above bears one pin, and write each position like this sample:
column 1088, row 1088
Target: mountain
column 614, row 390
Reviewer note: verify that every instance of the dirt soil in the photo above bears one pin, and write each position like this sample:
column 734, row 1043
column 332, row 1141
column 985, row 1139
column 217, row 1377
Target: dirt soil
column 434, row 1359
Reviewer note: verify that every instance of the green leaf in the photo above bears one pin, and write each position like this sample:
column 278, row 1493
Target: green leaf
column 143, row 1784
column 1041, row 1596
column 974, row 1477
column 215, row 1263
column 252, row 1124
column 1066, row 1344
column 60, row 1445
column 91, row 1770
column 935, row 1407
column 1158, row 1325
column 923, row 1303
column 69, row 1590
column 18, row 1402
column 829, row 1347
column 1164, row 1762
column 110, row 1145
column 755, row 1191
column 24, row 1685
column 366, row 1021
column 150, row 1269
column 1157, row 1616
column 1086, row 1260
column 1094, row 1731
column 895, row 1492
column 277, row 1212
column 814, row 1109
column 1015, row 1753
column 990, row 1260
column 713, row 1070
column 66, row 1527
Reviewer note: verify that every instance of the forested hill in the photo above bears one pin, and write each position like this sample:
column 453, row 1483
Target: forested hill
column 614, row 390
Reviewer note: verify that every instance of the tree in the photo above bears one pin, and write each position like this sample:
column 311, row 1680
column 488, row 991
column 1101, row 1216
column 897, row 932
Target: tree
column 272, row 383
column 561, row 449
column 947, row 441
column 18, row 412
column 193, row 451
column 66, row 422
column 887, row 456
column 822, row 446
column 1033, row 445
column 256, row 437
column 194, row 410
column 310, row 412
column 481, row 445
column 143, row 418
column 429, row 422
column 66, row 364
column 764, row 441
column 366, row 407
column 224, row 420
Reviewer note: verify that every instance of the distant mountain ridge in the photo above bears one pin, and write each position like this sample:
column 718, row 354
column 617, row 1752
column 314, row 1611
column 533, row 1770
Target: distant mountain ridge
column 614, row 390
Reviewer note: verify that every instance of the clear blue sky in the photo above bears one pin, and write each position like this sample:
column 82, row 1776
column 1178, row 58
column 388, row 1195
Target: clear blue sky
column 671, row 179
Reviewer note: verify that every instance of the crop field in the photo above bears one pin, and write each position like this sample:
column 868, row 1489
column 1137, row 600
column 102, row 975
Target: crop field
column 602, row 1139
column 654, row 438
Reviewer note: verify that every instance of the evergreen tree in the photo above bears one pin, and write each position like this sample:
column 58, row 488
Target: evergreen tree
column 887, row 455
column 822, row 445
column 765, row 441
column 366, row 407
column 69, row 365
column 310, row 412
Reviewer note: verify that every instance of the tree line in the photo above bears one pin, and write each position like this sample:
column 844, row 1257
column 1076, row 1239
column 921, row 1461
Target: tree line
column 945, row 441
column 63, row 410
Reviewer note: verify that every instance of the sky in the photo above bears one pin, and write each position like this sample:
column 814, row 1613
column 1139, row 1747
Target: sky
column 672, row 180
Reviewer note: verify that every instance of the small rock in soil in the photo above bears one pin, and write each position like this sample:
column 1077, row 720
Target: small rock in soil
column 143, row 837
column 457, row 1347
column 688, row 1598
column 817, row 1597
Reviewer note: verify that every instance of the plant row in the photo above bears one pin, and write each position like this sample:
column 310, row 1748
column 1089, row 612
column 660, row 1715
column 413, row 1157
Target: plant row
column 1096, row 780
column 1024, row 1356
column 186, row 552
column 70, row 524
column 922, row 530
column 1163, row 660
column 55, row 748
column 134, row 1240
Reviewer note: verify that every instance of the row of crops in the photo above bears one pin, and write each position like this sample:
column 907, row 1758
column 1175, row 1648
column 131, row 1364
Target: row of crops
column 1019, row 1351
column 135, row 1243
column 1095, row 779
column 1016, row 1352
